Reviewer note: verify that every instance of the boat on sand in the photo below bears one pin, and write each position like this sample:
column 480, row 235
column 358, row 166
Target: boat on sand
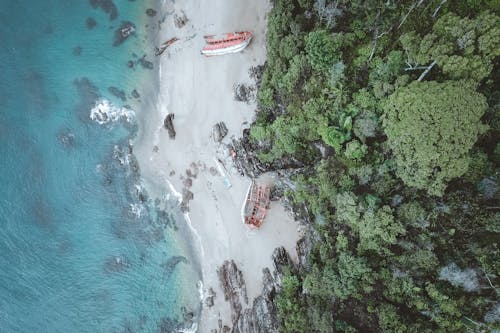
column 231, row 42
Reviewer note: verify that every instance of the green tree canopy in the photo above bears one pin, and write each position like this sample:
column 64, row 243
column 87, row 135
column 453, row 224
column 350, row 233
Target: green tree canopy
column 463, row 48
column 323, row 49
column 431, row 127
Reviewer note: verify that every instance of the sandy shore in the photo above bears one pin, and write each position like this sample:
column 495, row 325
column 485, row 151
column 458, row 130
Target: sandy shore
column 199, row 91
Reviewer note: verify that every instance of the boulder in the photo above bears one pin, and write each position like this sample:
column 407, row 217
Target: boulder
column 233, row 287
column 169, row 125
column 265, row 316
column 123, row 32
column 219, row 131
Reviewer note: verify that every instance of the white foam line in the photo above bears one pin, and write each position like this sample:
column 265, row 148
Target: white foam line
column 196, row 234
column 192, row 329
column 193, row 230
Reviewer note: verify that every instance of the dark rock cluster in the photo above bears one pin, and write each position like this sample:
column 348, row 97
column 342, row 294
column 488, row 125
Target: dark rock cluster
column 150, row 12
column 90, row 23
column 262, row 315
column 219, row 131
column 118, row 93
column 180, row 20
column 169, row 125
column 244, row 93
column 108, row 6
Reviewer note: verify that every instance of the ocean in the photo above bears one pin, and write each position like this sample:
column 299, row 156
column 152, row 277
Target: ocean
column 83, row 247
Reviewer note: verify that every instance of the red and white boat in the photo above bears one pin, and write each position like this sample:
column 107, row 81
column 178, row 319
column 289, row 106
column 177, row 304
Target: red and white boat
column 231, row 42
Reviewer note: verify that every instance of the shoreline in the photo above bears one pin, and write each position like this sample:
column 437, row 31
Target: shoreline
column 199, row 92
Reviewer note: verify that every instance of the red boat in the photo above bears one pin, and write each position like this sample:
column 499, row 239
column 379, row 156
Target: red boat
column 231, row 42
column 163, row 47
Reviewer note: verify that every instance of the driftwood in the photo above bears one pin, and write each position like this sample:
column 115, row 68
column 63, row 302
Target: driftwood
column 169, row 125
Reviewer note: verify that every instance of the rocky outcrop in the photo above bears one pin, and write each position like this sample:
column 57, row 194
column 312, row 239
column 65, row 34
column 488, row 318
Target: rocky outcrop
column 219, row 131
column 262, row 316
column 234, row 289
column 304, row 247
column 245, row 160
column 169, row 125
column 123, row 32
column 265, row 315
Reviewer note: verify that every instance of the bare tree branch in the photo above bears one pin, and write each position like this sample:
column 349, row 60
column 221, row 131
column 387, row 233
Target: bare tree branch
column 489, row 281
column 426, row 71
column 415, row 5
column 438, row 8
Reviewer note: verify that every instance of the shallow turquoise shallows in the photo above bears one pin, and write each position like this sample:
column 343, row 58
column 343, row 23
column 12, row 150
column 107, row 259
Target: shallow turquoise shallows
column 82, row 246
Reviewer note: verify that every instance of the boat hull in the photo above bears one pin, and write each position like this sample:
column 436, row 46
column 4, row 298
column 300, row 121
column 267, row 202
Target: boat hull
column 210, row 50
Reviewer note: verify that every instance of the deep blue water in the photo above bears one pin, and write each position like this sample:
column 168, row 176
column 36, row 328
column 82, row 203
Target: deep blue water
column 82, row 246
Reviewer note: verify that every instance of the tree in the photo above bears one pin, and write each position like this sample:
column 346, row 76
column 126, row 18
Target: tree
column 463, row 48
column 291, row 313
column 431, row 128
column 349, row 276
column 323, row 49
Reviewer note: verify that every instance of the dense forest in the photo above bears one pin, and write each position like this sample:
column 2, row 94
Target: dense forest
column 387, row 114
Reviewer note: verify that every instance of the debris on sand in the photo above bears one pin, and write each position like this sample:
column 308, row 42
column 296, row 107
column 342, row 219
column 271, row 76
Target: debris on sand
column 180, row 20
column 163, row 47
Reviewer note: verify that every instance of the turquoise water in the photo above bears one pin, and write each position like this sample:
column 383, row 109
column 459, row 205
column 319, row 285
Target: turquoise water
column 82, row 246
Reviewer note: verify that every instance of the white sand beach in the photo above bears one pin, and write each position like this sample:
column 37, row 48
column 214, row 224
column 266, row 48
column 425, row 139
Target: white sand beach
column 199, row 92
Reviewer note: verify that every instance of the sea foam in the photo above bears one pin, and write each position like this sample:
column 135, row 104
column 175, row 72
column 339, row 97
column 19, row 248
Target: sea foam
column 105, row 112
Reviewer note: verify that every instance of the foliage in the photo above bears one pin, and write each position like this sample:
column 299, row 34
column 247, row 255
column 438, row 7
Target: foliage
column 364, row 102
column 323, row 48
column 431, row 128
column 464, row 48
column 292, row 315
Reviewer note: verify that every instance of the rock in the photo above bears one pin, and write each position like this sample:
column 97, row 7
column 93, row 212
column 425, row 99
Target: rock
column 188, row 182
column 66, row 138
column 118, row 93
column 77, row 51
column 116, row 264
column 281, row 260
column 135, row 94
column 268, row 289
column 233, row 287
column 256, row 73
column 146, row 64
column 219, row 131
column 90, row 23
column 130, row 64
column 169, row 125
column 262, row 316
column 209, row 299
column 304, row 247
column 244, row 93
column 265, row 315
column 107, row 6
column 123, row 32
column 187, row 196
column 246, row 161
column 171, row 263
column 150, row 12
column 246, row 322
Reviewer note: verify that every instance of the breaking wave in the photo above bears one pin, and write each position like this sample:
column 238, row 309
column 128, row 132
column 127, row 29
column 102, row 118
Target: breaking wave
column 104, row 112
